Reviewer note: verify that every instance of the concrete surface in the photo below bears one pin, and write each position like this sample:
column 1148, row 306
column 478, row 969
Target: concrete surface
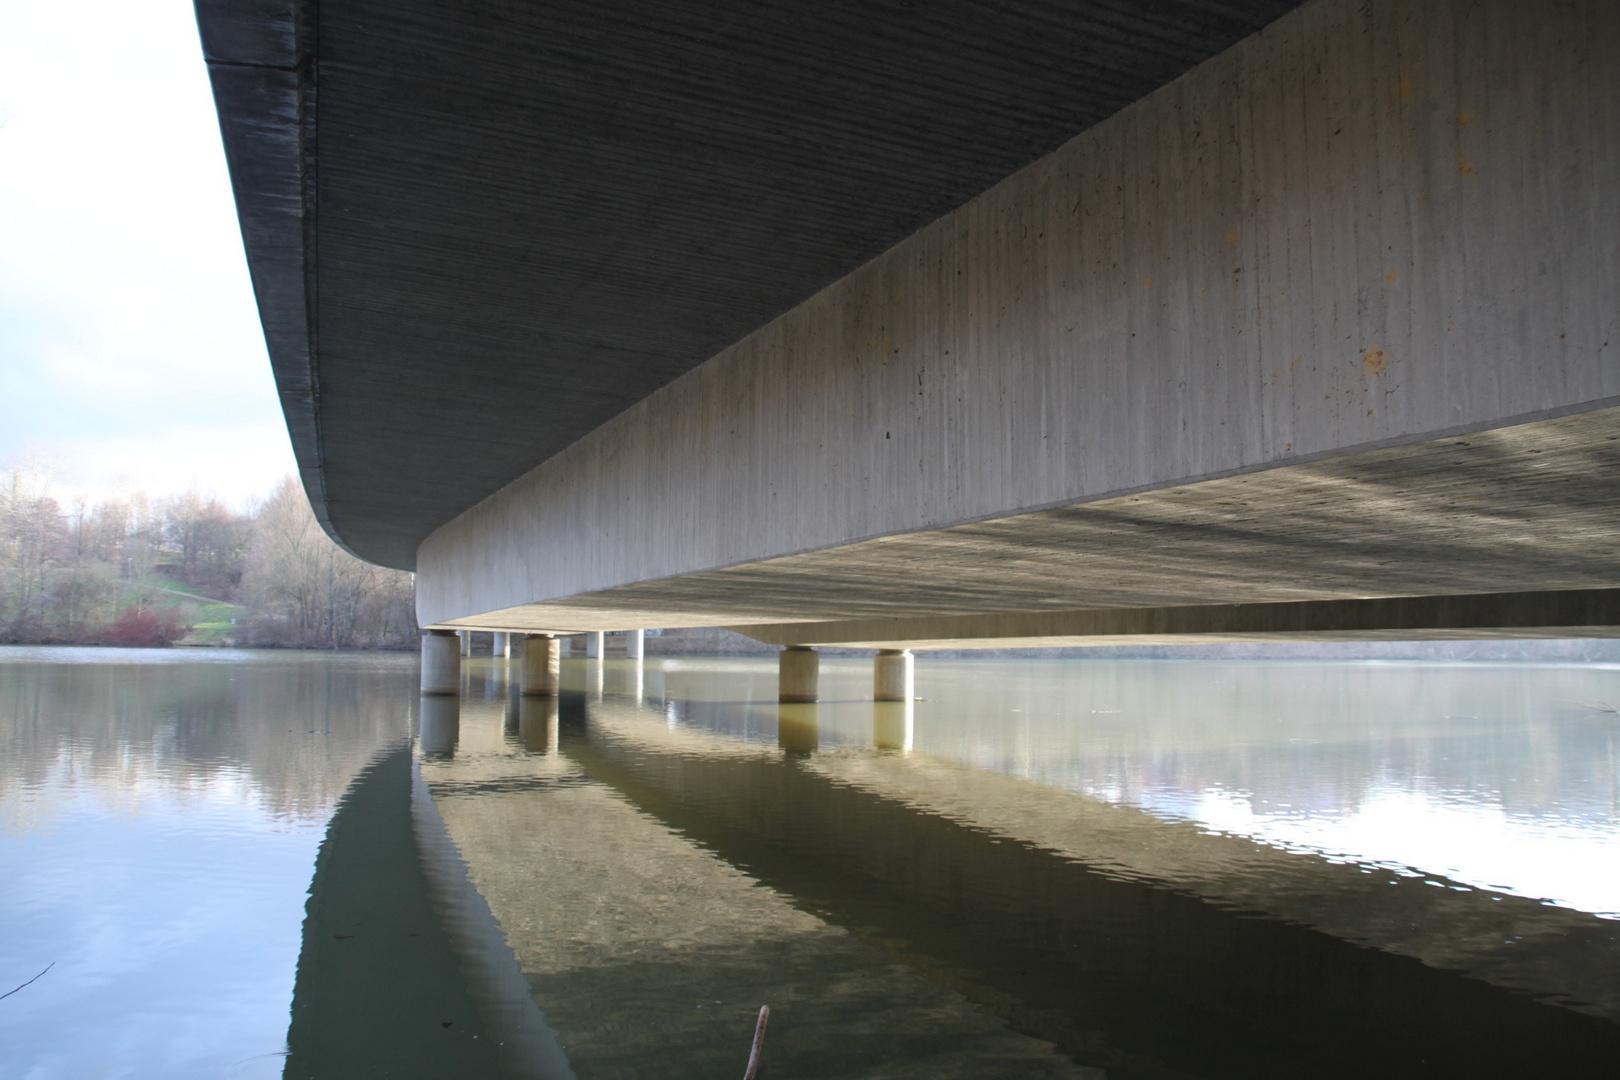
column 478, row 231
column 541, row 664
column 441, row 662
column 798, row 674
column 893, row 676
column 1255, row 338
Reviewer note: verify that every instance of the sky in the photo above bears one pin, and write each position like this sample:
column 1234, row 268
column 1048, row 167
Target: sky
column 131, row 357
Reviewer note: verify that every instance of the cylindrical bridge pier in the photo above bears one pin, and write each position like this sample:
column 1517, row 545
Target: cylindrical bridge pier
column 542, row 666
column 798, row 674
column 893, row 677
column 441, row 662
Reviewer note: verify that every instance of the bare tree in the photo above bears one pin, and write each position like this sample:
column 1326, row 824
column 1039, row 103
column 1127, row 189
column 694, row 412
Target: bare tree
column 128, row 571
column 31, row 528
column 302, row 589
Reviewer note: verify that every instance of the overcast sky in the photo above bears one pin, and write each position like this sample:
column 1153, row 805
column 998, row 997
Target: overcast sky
column 130, row 348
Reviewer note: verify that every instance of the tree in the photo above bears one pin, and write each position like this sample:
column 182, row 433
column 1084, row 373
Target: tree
column 208, row 539
column 31, row 530
column 302, row 589
column 127, row 571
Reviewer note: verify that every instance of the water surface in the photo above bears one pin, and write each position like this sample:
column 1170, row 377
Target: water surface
column 160, row 812
column 244, row 864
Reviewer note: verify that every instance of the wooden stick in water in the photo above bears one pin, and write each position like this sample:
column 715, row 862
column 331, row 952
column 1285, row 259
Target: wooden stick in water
column 759, row 1042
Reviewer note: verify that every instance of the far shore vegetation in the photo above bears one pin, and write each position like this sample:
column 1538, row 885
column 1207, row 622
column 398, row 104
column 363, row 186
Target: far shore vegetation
column 187, row 570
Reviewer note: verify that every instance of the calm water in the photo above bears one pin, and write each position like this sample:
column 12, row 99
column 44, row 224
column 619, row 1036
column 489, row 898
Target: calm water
column 260, row 864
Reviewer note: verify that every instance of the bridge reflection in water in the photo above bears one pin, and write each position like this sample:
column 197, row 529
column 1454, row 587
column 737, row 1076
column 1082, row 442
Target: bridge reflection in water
column 659, row 868
column 402, row 972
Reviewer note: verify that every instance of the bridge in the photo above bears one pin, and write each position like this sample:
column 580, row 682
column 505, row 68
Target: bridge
column 922, row 325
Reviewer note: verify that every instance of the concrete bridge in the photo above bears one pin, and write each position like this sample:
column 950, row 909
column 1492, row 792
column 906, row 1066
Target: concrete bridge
column 915, row 326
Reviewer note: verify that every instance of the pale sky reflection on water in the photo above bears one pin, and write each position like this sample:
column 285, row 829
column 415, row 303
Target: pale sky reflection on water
column 139, row 902
column 1495, row 776
column 1469, row 843
column 160, row 812
column 160, row 815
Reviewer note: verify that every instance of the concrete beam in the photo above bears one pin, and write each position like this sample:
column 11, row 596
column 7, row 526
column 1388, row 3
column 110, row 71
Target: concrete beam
column 1371, row 228
column 1522, row 509
column 1575, row 613
column 745, row 173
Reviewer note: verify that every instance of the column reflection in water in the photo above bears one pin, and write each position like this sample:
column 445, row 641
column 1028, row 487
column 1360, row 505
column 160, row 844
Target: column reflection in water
column 441, row 725
column 538, row 723
column 653, row 687
column 986, row 924
column 622, row 678
column 798, row 727
column 892, row 723
column 512, row 712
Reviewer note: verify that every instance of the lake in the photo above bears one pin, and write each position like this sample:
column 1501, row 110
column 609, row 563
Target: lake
column 256, row 864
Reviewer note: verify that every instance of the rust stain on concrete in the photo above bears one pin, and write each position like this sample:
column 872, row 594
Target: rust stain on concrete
column 1375, row 360
column 1391, row 277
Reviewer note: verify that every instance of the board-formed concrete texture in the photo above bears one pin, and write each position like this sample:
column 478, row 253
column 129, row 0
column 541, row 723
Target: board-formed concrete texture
column 1327, row 318
column 1307, row 311
column 479, row 230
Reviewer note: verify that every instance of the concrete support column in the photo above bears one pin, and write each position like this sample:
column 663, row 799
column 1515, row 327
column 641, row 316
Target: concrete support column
column 498, row 648
column 892, row 675
column 593, row 645
column 541, row 666
column 466, row 641
column 441, row 662
column 635, row 643
column 798, row 673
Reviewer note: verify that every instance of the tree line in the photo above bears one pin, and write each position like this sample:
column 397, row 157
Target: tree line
column 188, row 570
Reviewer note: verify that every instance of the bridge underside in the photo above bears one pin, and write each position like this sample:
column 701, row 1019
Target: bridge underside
column 1513, row 532
column 1054, row 323
column 478, row 231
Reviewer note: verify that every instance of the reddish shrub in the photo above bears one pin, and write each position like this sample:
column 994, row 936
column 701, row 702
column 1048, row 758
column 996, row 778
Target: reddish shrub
column 149, row 626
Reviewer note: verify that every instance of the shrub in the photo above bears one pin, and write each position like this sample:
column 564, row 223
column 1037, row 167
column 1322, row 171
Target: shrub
column 146, row 626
